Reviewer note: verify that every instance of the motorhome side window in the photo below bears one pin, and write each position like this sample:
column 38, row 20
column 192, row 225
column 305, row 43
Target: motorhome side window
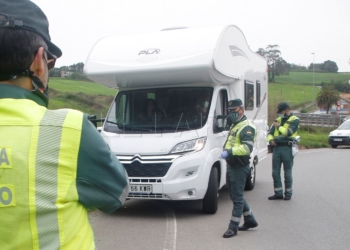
column 159, row 110
column 220, row 110
column 249, row 95
column 258, row 93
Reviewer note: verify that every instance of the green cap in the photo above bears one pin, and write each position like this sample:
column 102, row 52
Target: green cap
column 234, row 103
column 282, row 106
column 24, row 14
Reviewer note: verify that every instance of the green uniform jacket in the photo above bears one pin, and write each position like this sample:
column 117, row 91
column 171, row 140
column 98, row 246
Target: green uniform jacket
column 286, row 131
column 54, row 166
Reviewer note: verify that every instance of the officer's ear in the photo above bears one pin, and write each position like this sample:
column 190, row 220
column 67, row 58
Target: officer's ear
column 38, row 65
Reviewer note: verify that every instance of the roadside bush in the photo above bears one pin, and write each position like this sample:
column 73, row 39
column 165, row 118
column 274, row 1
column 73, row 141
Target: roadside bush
column 78, row 76
column 303, row 110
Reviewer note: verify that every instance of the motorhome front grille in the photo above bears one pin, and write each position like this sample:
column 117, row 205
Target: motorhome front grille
column 138, row 169
column 147, row 165
column 147, row 196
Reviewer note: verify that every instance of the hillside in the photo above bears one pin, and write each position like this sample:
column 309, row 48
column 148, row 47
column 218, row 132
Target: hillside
column 296, row 88
column 89, row 97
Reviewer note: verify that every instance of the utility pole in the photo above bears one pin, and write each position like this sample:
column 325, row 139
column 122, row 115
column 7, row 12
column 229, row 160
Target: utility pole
column 313, row 79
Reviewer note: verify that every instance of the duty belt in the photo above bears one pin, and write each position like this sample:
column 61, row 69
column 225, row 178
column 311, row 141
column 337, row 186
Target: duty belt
column 289, row 143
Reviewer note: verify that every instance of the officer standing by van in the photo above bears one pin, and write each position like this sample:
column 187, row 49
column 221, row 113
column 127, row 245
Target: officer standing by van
column 237, row 150
column 280, row 137
column 54, row 165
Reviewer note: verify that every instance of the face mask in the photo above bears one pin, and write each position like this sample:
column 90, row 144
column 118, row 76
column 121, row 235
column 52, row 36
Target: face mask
column 206, row 104
column 232, row 117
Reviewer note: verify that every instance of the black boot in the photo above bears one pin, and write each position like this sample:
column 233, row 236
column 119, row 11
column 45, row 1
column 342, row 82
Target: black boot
column 230, row 233
column 247, row 225
column 287, row 197
column 276, row 197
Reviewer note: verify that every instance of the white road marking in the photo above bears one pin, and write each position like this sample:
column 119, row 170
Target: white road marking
column 171, row 230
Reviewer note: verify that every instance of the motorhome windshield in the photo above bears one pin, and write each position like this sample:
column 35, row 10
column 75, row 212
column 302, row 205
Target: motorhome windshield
column 160, row 110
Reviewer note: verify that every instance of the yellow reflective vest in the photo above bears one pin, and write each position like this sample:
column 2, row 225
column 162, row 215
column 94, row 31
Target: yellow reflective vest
column 281, row 134
column 234, row 140
column 39, row 206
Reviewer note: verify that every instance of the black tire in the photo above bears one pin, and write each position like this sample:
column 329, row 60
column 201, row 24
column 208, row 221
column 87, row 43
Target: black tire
column 334, row 146
column 210, row 201
column 250, row 183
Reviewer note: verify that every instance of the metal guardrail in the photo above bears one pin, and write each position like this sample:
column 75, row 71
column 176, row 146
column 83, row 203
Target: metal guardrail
column 320, row 120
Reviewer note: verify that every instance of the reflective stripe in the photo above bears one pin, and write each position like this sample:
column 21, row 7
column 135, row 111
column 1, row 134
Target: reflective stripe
column 279, row 189
column 289, row 189
column 248, row 142
column 46, row 173
column 249, row 212
column 235, row 219
column 246, row 148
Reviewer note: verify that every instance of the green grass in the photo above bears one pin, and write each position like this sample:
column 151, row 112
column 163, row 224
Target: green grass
column 73, row 86
column 306, row 78
column 314, row 137
column 88, row 97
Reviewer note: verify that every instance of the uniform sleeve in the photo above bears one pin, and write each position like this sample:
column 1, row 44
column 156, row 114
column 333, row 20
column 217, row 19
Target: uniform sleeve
column 102, row 182
column 247, row 142
column 293, row 127
column 270, row 134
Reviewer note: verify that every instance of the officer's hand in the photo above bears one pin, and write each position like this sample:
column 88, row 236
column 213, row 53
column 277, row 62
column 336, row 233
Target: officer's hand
column 275, row 124
column 224, row 154
column 273, row 143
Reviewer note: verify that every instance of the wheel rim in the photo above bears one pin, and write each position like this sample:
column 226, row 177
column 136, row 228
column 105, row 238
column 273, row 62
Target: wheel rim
column 252, row 173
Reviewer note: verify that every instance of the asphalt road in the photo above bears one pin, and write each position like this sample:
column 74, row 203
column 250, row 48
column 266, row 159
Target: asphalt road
column 317, row 217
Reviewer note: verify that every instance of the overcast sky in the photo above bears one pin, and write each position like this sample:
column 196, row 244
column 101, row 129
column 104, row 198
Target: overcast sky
column 299, row 27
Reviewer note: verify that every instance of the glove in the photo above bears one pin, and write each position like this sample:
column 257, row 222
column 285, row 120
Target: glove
column 224, row 154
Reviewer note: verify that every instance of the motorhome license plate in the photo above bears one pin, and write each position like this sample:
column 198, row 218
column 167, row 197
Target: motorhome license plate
column 338, row 139
column 146, row 189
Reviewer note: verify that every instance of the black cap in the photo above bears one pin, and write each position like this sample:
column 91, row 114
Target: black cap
column 282, row 106
column 24, row 14
column 234, row 103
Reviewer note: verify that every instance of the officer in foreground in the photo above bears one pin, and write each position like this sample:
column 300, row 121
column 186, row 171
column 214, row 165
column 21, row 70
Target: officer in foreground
column 280, row 137
column 54, row 165
column 238, row 146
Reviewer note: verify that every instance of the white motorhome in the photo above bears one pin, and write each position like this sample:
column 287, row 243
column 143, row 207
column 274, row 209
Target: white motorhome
column 166, row 124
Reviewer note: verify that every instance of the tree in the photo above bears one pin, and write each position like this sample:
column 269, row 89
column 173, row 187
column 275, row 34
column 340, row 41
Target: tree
column 327, row 97
column 76, row 67
column 272, row 54
column 281, row 67
column 330, row 66
column 327, row 66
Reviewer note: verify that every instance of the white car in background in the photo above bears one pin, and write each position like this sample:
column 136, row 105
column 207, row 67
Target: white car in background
column 340, row 136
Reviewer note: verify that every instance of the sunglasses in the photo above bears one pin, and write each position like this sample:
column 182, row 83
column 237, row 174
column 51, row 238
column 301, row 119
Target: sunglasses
column 51, row 58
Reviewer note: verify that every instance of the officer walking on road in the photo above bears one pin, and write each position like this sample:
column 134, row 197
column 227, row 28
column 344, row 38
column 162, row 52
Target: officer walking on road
column 54, row 165
column 280, row 137
column 238, row 146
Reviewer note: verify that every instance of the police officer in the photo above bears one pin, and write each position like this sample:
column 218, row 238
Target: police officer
column 280, row 136
column 238, row 146
column 54, row 165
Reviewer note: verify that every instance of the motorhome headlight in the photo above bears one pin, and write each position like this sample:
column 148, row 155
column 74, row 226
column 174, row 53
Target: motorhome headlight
column 188, row 146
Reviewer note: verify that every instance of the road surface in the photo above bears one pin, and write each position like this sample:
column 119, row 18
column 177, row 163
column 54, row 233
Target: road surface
column 317, row 217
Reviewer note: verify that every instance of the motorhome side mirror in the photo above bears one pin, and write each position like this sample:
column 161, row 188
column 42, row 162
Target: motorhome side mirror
column 220, row 126
column 221, row 117
column 93, row 120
